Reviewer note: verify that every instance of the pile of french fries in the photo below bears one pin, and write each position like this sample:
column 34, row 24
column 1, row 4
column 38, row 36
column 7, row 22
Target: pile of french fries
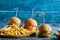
column 14, row 30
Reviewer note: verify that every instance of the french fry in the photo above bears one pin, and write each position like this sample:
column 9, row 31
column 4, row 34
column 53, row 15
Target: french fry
column 4, row 27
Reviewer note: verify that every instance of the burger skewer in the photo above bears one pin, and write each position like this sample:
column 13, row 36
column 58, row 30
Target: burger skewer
column 16, row 11
column 31, row 24
column 43, row 18
column 36, row 27
column 32, row 12
column 45, row 30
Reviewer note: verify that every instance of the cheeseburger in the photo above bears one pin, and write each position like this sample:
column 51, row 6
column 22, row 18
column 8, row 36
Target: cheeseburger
column 30, row 24
column 14, row 20
column 45, row 30
column 58, row 34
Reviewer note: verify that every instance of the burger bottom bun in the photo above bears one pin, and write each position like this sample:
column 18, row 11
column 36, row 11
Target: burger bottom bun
column 45, row 35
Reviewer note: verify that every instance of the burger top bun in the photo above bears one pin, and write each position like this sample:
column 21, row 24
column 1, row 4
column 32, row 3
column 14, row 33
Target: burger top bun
column 45, row 27
column 31, row 22
column 14, row 20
